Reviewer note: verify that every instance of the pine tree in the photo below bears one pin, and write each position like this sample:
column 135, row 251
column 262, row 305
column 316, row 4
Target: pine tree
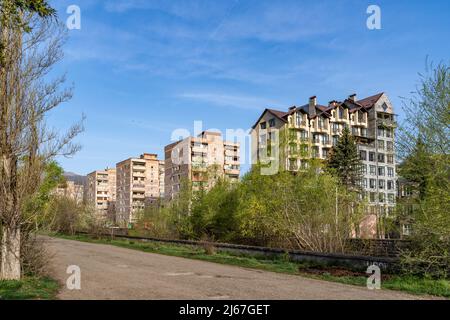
column 344, row 161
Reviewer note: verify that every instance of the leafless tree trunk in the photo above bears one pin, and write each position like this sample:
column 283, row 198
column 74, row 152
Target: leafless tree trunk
column 26, row 145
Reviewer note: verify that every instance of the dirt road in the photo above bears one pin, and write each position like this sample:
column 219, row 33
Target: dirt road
column 109, row 272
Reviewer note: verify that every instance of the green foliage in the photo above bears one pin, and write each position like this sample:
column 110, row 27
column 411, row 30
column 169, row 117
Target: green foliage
column 52, row 177
column 308, row 210
column 344, row 161
column 424, row 147
column 29, row 289
column 13, row 11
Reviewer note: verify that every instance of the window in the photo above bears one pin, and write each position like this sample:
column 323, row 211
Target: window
column 389, row 146
column 372, row 183
column 364, row 181
column 372, row 196
column 390, row 159
column 390, row 172
column 263, row 125
column 381, row 184
column 363, row 155
column 263, row 139
column 381, row 171
column 381, row 157
column 363, row 132
column 373, row 170
column 272, row 123
column 364, row 169
column 380, row 145
column 390, row 185
column 372, row 156
column 380, row 132
column 335, row 140
column 381, row 197
column 325, row 153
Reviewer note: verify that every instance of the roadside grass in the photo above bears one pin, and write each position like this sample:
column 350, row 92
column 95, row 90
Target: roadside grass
column 410, row 284
column 29, row 288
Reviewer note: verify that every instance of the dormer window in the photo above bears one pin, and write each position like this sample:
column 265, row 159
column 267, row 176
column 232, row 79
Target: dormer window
column 263, row 125
column 272, row 123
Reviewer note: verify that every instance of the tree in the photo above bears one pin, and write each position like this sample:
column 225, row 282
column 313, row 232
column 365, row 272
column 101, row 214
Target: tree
column 344, row 161
column 30, row 45
column 423, row 146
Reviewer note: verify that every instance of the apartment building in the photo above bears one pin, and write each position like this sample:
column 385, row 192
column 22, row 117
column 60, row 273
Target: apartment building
column 138, row 185
column 200, row 160
column 100, row 192
column 313, row 129
column 70, row 189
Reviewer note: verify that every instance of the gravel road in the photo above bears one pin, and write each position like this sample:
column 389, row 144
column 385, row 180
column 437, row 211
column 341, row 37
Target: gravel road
column 109, row 272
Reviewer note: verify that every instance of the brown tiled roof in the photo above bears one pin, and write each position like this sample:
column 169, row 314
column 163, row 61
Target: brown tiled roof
column 321, row 110
column 277, row 113
column 370, row 101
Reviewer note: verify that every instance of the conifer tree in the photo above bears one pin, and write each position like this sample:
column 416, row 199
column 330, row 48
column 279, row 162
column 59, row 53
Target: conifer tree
column 344, row 161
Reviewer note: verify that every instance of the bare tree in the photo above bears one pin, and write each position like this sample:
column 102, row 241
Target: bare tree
column 26, row 143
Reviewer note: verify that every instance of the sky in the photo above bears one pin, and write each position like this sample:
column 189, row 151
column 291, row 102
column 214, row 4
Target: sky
column 141, row 69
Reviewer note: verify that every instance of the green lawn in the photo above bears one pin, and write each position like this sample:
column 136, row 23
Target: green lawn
column 29, row 289
column 409, row 284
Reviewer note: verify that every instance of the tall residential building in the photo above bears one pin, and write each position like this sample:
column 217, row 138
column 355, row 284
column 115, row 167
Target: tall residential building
column 100, row 192
column 192, row 158
column 138, row 185
column 71, row 190
column 312, row 131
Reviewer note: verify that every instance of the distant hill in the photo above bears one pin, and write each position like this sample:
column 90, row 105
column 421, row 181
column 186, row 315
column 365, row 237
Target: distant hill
column 78, row 179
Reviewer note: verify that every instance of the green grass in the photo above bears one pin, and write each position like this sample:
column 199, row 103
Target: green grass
column 29, row 288
column 414, row 285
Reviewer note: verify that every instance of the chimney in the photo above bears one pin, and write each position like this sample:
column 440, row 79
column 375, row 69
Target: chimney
column 292, row 108
column 352, row 97
column 312, row 106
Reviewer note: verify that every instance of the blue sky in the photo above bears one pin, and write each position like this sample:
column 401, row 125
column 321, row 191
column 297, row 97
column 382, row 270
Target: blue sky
column 143, row 68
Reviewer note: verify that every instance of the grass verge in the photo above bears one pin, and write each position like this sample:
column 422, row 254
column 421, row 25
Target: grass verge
column 29, row 288
column 410, row 284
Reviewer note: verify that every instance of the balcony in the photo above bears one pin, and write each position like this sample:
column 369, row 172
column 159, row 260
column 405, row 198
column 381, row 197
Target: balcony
column 387, row 123
column 139, row 186
column 138, row 168
column 139, row 196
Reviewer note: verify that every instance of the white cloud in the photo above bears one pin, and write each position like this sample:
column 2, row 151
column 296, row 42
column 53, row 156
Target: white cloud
column 234, row 101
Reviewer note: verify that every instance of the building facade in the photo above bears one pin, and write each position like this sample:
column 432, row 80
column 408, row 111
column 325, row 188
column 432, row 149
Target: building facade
column 199, row 160
column 138, row 185
column 70, row 189
column 100, row 192
column 313, row 129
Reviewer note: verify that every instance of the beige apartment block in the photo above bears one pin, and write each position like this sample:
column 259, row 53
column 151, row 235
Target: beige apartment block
column 138, row 185
column 193, row 158
column 313, row 129
column 101, row 192
column 71, row 190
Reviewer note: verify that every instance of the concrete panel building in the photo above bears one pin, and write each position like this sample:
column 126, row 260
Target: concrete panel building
column 313, row 129
column 138, row 185
column 100, row 192
column 193, row 158
column 70, row 189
